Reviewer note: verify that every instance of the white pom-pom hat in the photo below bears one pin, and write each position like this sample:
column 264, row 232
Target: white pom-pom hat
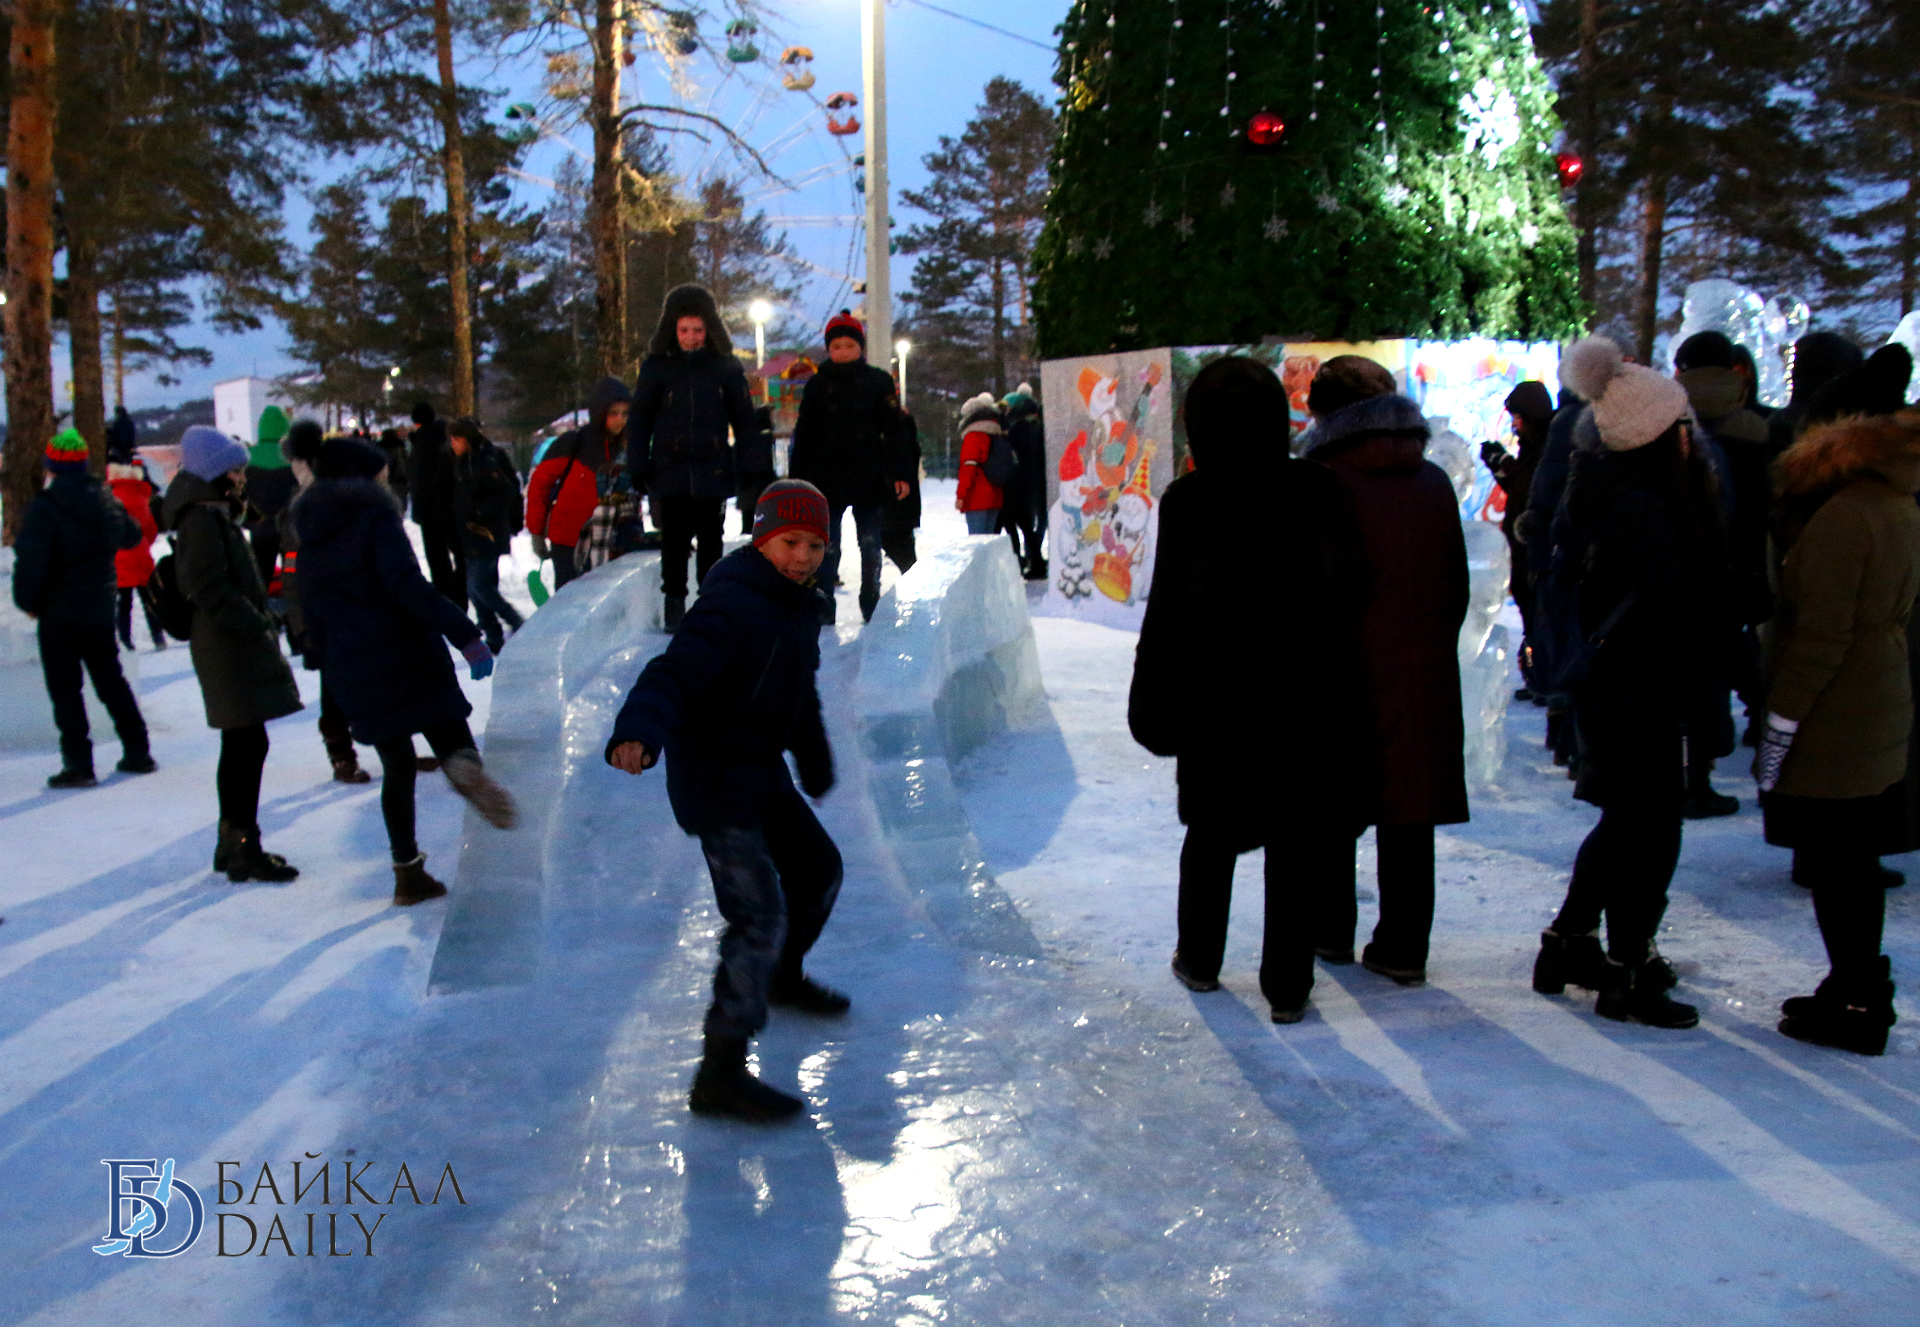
column 1632, row 404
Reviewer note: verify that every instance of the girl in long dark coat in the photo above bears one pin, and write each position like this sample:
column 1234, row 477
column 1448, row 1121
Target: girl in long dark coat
column 375, row 627
column 244, row 679
column 1416, row 559
column 1641, row 520
column 1246, row 673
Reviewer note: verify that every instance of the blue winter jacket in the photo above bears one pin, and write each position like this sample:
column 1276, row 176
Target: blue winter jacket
column 731, row 694
column 375, row 626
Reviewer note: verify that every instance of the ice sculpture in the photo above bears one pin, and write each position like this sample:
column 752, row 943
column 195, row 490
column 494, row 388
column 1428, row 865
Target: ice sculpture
column 1767, row 328
column 1485, row 654
column 1908, row 334
column 554, row 691
column 948, row 661
column 26, row 716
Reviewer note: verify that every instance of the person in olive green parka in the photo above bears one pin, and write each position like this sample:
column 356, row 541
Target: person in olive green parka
column 244, row 679
column 1839, row 700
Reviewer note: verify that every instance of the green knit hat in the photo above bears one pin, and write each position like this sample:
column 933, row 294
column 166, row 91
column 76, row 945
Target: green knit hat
column 67, row 453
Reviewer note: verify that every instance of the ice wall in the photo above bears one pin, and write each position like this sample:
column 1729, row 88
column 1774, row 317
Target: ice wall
column 947, row 662
column 26, row 715
column 551, row 691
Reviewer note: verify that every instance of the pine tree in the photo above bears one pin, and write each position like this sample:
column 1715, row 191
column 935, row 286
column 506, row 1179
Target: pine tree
column 1412, row 191
column 971, row 301
column 333, row 326
column 1874, row 82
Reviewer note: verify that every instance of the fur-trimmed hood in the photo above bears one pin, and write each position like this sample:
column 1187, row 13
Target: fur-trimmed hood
column 689, row 302
column 1388, row 413
column 1830, row 455
column 327, row 506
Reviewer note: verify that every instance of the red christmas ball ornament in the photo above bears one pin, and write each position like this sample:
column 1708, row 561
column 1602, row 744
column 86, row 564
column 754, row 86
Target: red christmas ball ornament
column 1571, row 168
column 1265, row 129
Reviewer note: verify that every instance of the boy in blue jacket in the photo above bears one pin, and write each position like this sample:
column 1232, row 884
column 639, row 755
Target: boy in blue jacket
column 732, row 694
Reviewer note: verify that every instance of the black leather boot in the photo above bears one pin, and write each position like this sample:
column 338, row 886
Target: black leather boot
column 673, row 611
column 723, row 1086
column 1572, row 960
column 1849, row 1016
column 1640, row 996
column 246, row 860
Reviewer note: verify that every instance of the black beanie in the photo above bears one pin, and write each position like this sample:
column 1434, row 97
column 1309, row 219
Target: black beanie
column 348, row 458
column 303, row 441
column 422, row 413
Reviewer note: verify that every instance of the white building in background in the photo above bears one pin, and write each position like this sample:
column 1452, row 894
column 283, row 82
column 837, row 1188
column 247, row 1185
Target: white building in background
column 237, row 404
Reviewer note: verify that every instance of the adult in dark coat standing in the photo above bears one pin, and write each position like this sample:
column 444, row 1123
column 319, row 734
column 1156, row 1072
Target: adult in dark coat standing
column 1641, row 523
column 1818, row 358
column 1220, row 681
column 488, row 504
column 1416, row 560
column 244, row 679
column 302, row 446
column 430, row 482
column 64, row 574
column 846, row 444
column 690, row 394
column 1531, row 408
column 1023, row 504
column 377, row 631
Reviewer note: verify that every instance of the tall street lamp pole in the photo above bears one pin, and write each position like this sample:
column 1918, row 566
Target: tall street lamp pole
column 873, row 50
column 760, row 311
column 900, row 348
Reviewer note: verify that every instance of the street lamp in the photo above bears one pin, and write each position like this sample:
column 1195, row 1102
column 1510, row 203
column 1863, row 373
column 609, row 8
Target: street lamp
column 761, row 312
column 900, row 348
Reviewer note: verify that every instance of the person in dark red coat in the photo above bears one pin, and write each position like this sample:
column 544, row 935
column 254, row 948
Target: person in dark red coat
column 1416, row 559
column 564, row 488
column 133, row 567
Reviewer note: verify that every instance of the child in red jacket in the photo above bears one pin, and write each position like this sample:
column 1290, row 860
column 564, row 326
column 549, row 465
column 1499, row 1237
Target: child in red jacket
column 133, row 567
column 979, row 498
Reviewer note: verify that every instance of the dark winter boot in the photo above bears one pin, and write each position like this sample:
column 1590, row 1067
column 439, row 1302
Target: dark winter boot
column 799, row 991
column 470, row 779
column 137, row 762
column 246, row 860
column 724, row 1087
column 1855, row 1018
column 412, row 884
column 72, row 778
column 868, row 602
column 1193, row 982
column 346, row 769
column 426, row 764
column 673, row 611
column 1571, row 960
column 1384, row 965
column 1636, row 995
column 1703, row 803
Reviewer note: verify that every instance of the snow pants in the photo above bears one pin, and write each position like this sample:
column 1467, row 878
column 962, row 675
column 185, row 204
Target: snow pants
column 867, row 523
column 65, row 649
column 775, row 883
column 684, row 523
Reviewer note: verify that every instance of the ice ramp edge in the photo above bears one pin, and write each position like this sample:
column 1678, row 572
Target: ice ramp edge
column 947, row 662
column 492, row 934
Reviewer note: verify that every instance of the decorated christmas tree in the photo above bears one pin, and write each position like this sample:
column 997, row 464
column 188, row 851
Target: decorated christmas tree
column 1229, row 170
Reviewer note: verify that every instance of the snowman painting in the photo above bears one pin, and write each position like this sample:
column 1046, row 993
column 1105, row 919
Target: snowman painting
column 1103, row 523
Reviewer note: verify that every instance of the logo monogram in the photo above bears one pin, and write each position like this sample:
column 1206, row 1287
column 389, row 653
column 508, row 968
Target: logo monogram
column 137, row 1214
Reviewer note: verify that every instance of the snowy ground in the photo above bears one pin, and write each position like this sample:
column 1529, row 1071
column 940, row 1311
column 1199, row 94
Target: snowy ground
column 1074, row 1140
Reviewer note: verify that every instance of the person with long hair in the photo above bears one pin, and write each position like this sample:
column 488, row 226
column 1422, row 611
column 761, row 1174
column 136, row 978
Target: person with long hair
column 1642, row 522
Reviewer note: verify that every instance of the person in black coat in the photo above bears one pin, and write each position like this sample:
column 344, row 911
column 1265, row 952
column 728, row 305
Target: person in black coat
column 375, row 629
column 394, row 447
column 1640, row 522
column 488, row 504
column 732, row 694
column 691, row 391
column 902, row 514
column 1818, row 359
column 1023, row 505
column 430, row 484
column 753, row 459
column 1262, row 704
column 63, row 574
column 846, row 444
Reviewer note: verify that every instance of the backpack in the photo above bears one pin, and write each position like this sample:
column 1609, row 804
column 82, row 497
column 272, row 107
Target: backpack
column 1000, row 465
column 174, row 608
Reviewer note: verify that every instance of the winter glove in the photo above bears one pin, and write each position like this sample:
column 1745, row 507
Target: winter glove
column 540, row 549
column 479, row 659
column 1493, row 456
column 1772, row 753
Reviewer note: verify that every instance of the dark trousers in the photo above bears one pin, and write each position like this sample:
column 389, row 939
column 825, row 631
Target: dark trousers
column 898, row 545
column 564, row 567
column 1296, row 871
column 1406, row 898
column 65, row 649
column 145, row 595
column 397, row 771
column 446, row 561
column 775, row 884
column 1623, row 869
column 243, row 756
column 495, row 615
column 1023, row 528
column 867, row 523
column 334, row 730
column 684, row 520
